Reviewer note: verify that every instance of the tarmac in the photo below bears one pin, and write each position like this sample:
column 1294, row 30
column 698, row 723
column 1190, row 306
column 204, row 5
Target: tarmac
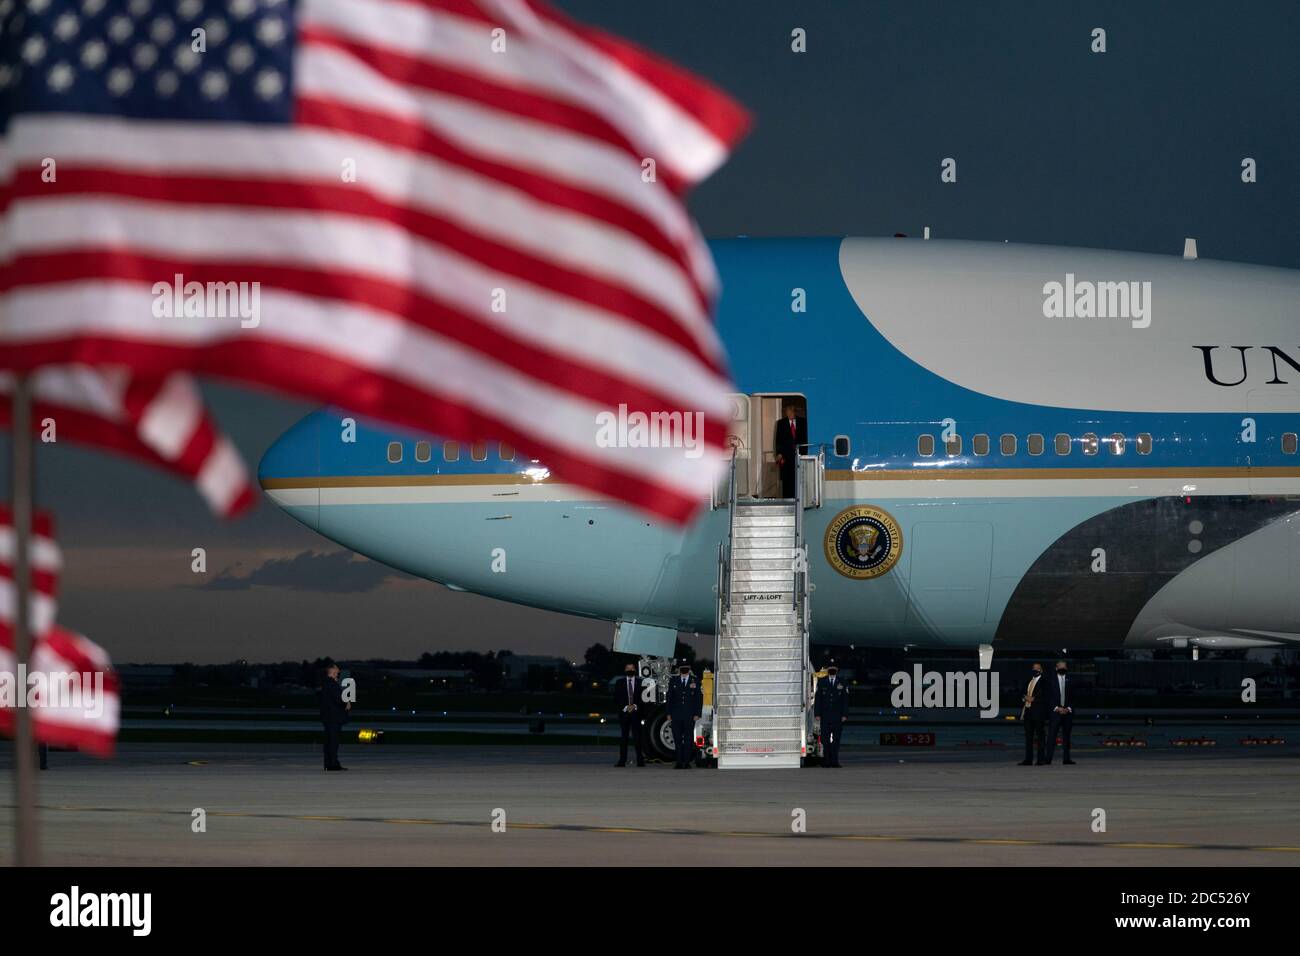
column 272, row 804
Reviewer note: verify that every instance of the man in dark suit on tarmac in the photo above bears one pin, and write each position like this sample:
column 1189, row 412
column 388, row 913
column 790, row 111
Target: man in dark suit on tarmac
column 333, row 713
column 789, row 441
column 628, row 701
column 831, row 705
column 1034, row 714
column 1060, row 703
column 685, row 704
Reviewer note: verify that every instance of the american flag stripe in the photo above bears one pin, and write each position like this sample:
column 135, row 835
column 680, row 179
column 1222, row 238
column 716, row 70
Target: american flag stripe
column 300, row 357
column 334, row 73
column 369, row 228
column 90, row 726
column 53, row 304
column 46, row 563
column 90, row 723
column 568, row 74
column 475, row 172
column 160, row 420
column 338, row 92
column 106, row 158
column 55, row 651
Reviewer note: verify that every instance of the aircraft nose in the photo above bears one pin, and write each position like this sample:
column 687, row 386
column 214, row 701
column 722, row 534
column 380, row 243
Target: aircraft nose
column 289, row 471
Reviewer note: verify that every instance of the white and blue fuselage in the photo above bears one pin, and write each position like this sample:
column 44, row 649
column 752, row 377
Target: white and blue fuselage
column 1111, row 459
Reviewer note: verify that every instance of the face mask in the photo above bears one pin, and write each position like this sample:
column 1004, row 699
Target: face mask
column 1060, row 670
column 1036, row 672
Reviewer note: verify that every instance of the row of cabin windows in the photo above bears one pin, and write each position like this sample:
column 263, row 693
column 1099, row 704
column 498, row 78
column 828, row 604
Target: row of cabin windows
column 925, row 445
column 1036, row 444
column 1062, row 443
column 478, row 451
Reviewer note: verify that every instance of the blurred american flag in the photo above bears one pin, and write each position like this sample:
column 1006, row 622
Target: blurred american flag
column 463, row 216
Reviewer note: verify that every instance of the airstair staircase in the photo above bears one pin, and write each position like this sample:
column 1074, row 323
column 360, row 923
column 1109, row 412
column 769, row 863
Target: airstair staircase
column 762, row 701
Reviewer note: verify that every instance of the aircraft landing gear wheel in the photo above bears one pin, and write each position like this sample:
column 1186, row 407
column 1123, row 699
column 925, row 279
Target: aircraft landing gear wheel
column 659, row 737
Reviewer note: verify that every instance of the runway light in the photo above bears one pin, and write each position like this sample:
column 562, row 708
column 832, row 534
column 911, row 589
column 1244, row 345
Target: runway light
column 367, row 736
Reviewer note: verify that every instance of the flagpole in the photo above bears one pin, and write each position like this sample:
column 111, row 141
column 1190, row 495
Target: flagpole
column 26, row 847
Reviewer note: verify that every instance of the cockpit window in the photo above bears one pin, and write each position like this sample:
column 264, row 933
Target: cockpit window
column 478, row 451
column 507, row 453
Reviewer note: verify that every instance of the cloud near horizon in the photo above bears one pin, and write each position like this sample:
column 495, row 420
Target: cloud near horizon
column 311, row 570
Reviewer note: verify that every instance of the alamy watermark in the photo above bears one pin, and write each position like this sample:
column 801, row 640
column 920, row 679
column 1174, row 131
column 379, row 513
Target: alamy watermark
column 208, row 300
column 1085, row 299
column 624, row 429
column 53, row 690
column 946, row 689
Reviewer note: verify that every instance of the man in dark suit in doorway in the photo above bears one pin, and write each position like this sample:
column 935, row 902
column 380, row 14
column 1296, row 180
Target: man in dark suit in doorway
column 789, row 441
column 1060, row 705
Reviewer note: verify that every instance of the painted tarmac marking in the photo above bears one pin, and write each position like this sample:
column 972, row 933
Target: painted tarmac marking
column 682, row 831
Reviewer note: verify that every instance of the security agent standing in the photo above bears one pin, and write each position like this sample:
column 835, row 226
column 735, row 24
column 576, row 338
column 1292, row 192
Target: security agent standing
column 831, row 705
column 1060, row 701
column 628, row 702
column 1034, row 715
column 685, row 704
column 333, row 713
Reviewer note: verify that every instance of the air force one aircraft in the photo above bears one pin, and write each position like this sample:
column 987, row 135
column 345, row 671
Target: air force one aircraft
column 1008, row 446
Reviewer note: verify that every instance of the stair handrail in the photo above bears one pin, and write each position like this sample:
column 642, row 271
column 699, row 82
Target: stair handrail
column 723, row 612
column 801, row 595
column 731, row 528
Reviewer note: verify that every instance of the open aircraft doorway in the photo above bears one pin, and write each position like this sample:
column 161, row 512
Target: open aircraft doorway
column 767, row 413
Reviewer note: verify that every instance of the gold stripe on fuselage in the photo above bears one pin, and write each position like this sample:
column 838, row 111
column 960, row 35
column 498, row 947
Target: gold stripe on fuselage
column 892, row 474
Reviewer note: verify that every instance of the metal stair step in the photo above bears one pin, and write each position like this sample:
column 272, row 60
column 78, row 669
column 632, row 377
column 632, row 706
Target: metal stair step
column 761, row 538
column 785, row 575
column 780, row 663
column 785, row 563
column 758, row 505
column 741, row 614
column 764, row 519
column 769, row 551
column 784, row 711
column 763, row 737
column 759, row 635
column 754, row 704
column 735, row 681
column 770, row 652
column 759, row 722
